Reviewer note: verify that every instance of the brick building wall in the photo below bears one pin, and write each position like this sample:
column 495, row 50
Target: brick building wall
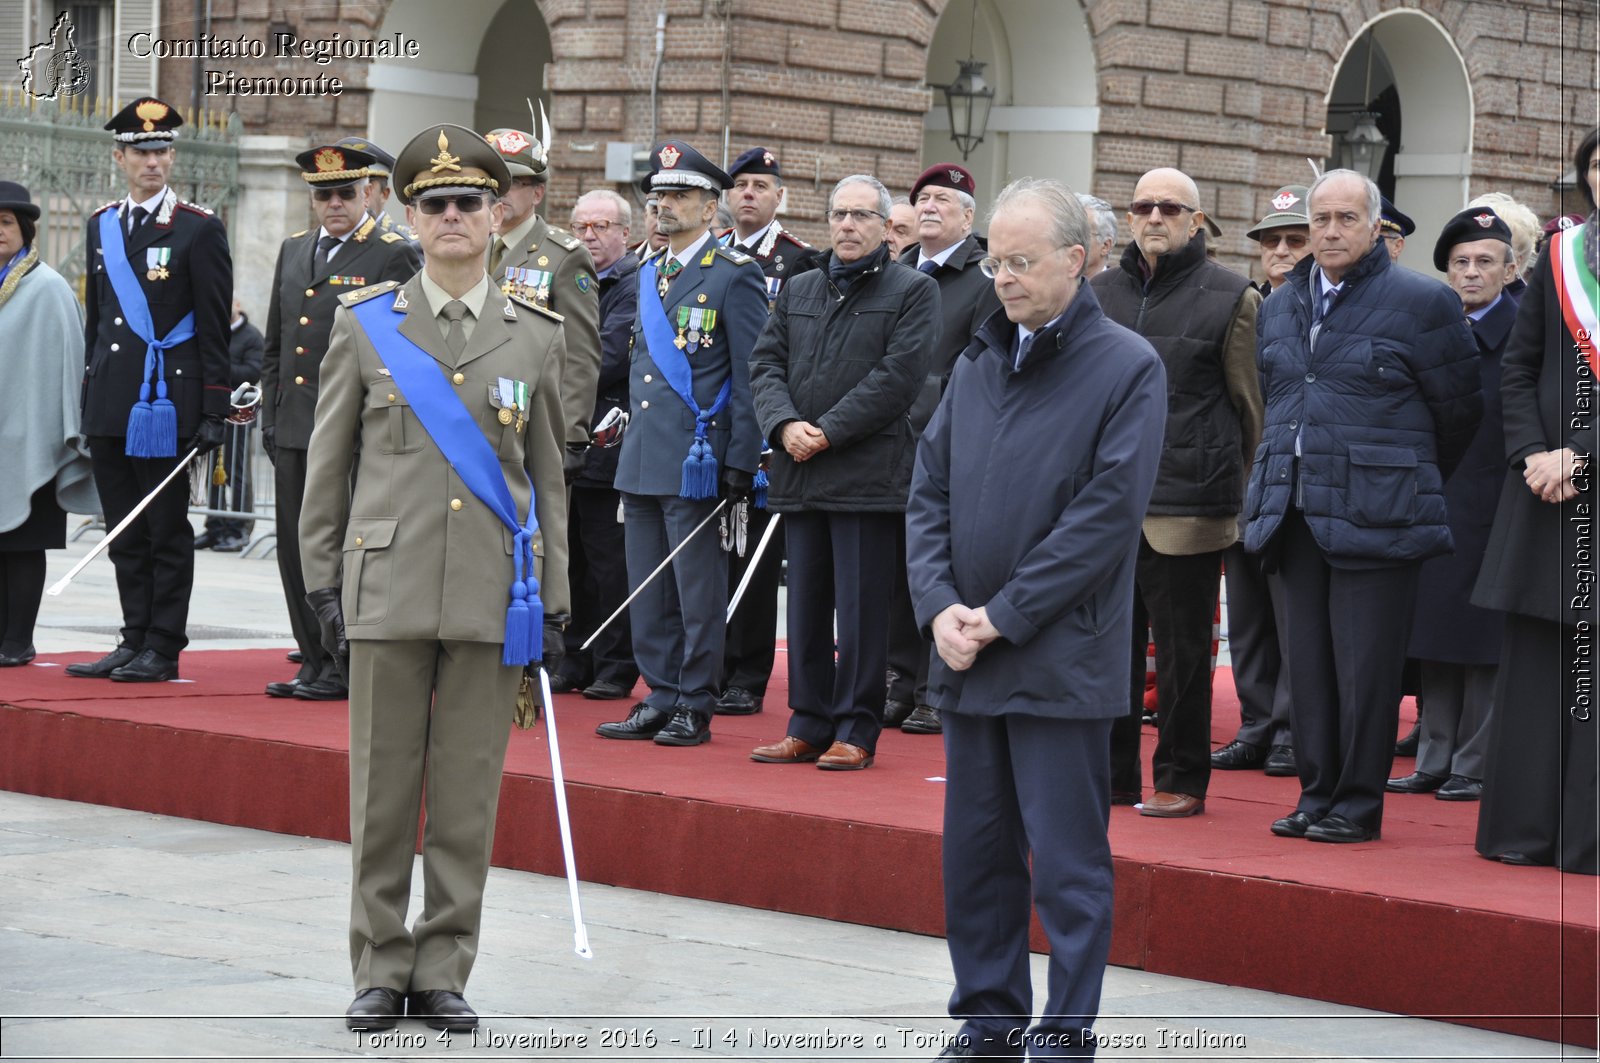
column 1231, row 91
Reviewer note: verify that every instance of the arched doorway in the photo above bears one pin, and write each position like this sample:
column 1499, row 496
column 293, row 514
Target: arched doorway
column 1041, row 63
column 1423, row 104
column 481, row 60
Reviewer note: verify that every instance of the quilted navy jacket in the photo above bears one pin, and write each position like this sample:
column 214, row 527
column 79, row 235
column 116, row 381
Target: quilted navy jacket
column 1383, row 405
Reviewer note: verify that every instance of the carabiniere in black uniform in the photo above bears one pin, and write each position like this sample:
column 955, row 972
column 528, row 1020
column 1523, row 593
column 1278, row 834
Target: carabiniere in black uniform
column 182, row 272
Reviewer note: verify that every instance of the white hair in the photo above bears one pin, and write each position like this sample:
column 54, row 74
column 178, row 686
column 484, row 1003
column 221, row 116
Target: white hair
column 1374, row 197
column 864, row 179
column 606, row 195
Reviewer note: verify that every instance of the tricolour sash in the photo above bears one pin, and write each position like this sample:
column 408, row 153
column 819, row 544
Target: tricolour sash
column 700, row 467
column 458, row 437
column 152, row 425
column 1577, row 289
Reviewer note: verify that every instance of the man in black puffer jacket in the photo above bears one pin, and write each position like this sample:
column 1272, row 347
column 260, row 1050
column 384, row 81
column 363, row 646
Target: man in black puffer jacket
column 833, row 377
column 1201, row 318
column 1370, row 374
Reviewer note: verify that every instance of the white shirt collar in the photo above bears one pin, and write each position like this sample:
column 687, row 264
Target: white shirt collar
column 688, row 253
column 151, row 205
column 942, row 257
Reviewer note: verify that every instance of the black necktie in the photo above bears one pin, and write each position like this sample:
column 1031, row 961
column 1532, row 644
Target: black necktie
column 136, row 218
column 325, row 245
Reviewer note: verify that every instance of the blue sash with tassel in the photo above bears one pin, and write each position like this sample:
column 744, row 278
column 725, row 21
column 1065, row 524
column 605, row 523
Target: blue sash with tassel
column 458, row 437
column 700, row 467
column 153, row 421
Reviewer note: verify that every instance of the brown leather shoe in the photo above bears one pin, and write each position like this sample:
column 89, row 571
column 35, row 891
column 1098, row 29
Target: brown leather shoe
column 1173, row 806
column 790, row 751
column 842, row 756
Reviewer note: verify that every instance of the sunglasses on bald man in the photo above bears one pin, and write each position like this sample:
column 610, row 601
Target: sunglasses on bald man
column 465, row 204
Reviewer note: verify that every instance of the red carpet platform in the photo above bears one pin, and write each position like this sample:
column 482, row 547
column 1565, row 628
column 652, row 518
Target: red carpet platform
column 1415, row 923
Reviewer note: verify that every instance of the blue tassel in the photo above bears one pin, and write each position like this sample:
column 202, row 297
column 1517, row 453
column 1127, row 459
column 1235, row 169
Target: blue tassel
column 517, row 618
column 535, row 646
column 139, row 430
column 163, row 424
column 758, row 489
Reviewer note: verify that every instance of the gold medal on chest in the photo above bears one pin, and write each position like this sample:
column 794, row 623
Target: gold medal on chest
column 505, row 416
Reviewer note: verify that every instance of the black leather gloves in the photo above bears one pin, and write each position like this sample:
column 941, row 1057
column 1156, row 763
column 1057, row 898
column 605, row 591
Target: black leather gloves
column 572, row 461
column 209, row 435
column 555, row 646
column 269, row 443
column 736, row 485
column 326, row 604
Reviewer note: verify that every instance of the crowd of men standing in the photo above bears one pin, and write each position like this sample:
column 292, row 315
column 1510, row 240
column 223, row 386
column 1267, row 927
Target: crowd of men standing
column 996, row 467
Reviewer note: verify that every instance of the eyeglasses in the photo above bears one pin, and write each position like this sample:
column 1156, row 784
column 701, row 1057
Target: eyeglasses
column 1270, row 241
column 859, row 216
column 1016, row 265
column 599, row 228
column 1141, row 207
column 465, row 204
column 348, row 195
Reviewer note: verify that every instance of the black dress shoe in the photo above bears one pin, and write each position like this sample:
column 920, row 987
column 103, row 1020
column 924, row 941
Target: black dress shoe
column 1280, row 762
column 1418, row 782
column 1407, row 746
column 375, row 1009
column 1460, row 788
column 737, row 701
column 443, row 1010
column 322, row 690
column 924, row 720
column 283, row 690
column 643, row 722
column 103, row 668
column 1124, row 797
column 1294, row 825
column 1516, row 859
column 230, row 545
column 1238, row 755
column 686, row 728
column 204, row 541
column 896, row 712
column 18, row 659
column 605, row 690
column 562, row 684
column 148, row 667
column 295, row 657
column 1335, row 828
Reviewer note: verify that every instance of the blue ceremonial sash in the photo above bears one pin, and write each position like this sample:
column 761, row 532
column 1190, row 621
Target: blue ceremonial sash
column 152, row 426
column 461, row 441
column 700, row 467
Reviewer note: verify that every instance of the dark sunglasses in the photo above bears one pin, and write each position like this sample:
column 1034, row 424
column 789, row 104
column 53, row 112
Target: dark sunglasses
column 465, row 204
column 348, row 195
column 1272, row 240
column 1141, row 207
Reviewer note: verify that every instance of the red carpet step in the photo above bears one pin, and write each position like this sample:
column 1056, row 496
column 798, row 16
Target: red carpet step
column 1215, row 897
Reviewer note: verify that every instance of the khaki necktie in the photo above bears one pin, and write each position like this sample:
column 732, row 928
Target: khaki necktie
column 497, row 251
column 455, row 337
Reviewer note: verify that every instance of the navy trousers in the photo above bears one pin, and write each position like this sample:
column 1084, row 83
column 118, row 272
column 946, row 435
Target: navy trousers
column 679, row 621
column 1019, row 786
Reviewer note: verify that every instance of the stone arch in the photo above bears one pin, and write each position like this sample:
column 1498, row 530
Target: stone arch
column 1431, row 158
column 1041, row 62
column 480, row 61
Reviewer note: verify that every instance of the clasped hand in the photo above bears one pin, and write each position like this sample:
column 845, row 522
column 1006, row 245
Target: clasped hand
column 803, row 440
column 1549, row 474
column 959, row 633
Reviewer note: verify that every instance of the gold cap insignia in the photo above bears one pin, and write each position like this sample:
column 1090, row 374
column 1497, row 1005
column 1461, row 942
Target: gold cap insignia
column 329, row 159
column 151, row 111
column 444, row 160
column 669, row 156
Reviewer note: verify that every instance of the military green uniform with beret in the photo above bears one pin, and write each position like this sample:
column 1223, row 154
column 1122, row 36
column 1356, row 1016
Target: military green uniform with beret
column 551, row 267
column 424, row 568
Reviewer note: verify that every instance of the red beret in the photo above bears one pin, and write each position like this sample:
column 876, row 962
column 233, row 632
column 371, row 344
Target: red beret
column 945, row 175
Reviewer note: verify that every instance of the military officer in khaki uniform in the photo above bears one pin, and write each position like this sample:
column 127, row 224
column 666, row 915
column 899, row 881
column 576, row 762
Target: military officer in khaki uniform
column 378, row 177
column 530, row 257
column 344, row 251
column 420, row 561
